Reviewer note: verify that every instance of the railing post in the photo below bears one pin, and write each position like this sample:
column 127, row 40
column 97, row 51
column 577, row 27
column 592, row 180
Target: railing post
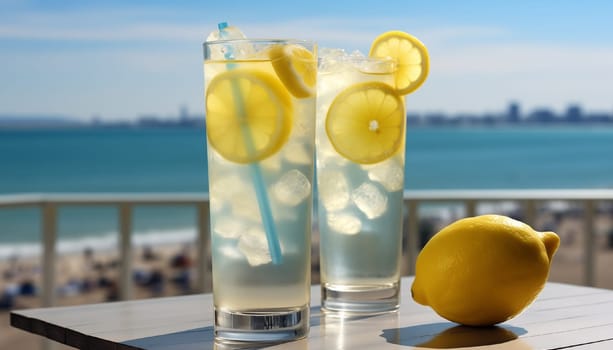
column 49, row 231
column 471, row 207
column 125, row 249
column 203, row 246
column 413, row 235
column 588, row 254
column 530, row 212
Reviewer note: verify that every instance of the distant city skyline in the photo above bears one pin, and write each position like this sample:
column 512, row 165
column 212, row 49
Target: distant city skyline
column 117, row 60
column 574, row 114
column 513, row 114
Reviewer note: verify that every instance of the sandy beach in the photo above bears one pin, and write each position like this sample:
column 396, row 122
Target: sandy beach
column 90, row 276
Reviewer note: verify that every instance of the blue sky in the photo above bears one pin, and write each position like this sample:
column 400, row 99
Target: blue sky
column 123, row 59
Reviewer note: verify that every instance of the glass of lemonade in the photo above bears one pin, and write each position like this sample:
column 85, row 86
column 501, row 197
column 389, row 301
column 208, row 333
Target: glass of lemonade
column 360, row 185
column 260, row 120
column 360, row 138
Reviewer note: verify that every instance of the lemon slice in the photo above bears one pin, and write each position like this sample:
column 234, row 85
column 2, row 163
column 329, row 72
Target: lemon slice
column 248, row 115
column 411, row 57
column 296, row 67
column 365, row 122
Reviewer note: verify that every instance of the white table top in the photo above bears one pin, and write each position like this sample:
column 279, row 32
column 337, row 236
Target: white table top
column 563, row 316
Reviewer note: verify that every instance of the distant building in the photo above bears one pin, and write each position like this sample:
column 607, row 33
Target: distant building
column 573, row 114
column 183, row 113
column 513, row 113
column 543, row 115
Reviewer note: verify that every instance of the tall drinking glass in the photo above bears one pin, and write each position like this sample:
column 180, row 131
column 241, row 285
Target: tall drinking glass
column 360, row 176
column 260, row 120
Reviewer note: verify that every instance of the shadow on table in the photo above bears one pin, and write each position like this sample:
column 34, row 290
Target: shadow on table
column 204, row 339
column 198, row 338
column 444, row 335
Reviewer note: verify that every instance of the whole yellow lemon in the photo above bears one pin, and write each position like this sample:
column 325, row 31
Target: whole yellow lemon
column 483, row 270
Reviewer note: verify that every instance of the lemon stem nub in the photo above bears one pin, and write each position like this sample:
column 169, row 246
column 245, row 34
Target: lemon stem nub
column 551, row 241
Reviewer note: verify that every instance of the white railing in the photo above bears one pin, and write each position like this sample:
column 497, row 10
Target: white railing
column 49, row 204
column 469, row 199
column 529, row 199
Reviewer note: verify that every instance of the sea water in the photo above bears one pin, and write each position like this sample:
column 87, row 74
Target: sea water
column 174, row 160
column 99, row 161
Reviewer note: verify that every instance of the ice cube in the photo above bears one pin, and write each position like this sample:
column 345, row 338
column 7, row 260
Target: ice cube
column 297, row 153
column 225, row 32
column 235, row 50
column 330, row 60
column 292, row 188
column 356, row 54
column 243, row 50
column 239, row 195
column 390, row 174
column 326, row 53
column 230, row 251
column 223, row 187
column 333, row 190
column 254, row 246
column 376, row 65
column 229, row 227
column 245, row 205
column 370, row 200
column 344, row 223
column 215, row 206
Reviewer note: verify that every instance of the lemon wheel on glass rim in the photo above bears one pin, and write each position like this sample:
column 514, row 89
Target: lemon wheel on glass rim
column 411, row 56
column 248, row 115
column 365, row 122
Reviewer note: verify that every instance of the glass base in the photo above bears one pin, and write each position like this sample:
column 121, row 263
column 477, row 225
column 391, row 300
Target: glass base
column 259, row 326
column 356, row 300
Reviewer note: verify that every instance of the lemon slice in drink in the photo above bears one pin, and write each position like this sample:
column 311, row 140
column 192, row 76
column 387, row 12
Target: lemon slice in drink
column 366, row 121
column 296, row 67
column 248, row 115
column 411, row 56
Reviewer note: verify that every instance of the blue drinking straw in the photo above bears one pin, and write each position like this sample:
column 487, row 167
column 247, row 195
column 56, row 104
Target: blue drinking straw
column 258, row 180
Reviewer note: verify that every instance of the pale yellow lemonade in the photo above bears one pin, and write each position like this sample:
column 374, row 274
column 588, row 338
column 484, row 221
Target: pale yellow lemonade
column 360, row 137
column 360, row 211
column 260, row 136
